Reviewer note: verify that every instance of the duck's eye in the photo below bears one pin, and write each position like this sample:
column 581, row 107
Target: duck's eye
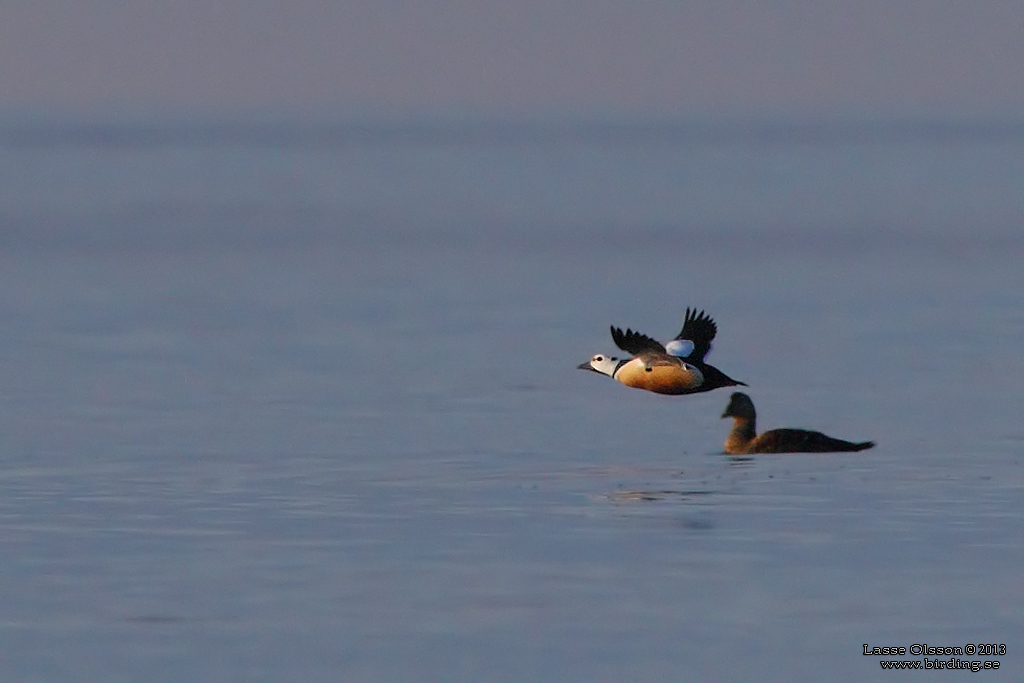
column 599, row 358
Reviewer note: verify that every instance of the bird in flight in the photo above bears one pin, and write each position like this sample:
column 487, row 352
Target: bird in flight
column 676, row 367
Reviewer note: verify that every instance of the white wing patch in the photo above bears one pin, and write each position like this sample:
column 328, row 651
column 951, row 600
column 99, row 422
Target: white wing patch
column 680, row 348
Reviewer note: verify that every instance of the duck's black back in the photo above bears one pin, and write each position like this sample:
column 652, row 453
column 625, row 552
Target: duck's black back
column 803, row 441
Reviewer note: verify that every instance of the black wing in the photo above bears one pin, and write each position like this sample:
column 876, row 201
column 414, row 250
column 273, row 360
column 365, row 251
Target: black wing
column 634, row 342
column 700, row 329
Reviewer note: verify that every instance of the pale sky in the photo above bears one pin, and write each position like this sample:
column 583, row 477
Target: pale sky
column 516, row 57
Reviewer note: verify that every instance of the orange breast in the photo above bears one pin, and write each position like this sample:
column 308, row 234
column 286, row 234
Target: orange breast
column 671, row 378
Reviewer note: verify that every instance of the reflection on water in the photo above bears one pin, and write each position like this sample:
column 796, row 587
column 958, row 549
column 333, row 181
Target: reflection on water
column 646, row 496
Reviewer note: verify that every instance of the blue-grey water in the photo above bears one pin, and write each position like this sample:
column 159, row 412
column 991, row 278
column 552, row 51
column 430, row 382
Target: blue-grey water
column 300, row 402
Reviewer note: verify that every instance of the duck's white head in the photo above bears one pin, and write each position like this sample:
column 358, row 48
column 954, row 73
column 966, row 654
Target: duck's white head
column 602, row 363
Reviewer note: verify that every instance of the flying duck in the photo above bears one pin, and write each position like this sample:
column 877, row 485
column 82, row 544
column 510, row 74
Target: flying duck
column 677, row 367
column 743, row 439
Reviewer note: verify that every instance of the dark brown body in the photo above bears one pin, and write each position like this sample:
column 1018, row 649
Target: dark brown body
column 744, row 440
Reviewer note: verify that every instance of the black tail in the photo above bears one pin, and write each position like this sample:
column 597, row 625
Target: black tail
column 715, row 378
column 828, row 444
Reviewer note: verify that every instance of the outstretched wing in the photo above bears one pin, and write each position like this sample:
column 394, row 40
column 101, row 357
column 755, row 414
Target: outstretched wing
column 700, row 329
column 635, row 342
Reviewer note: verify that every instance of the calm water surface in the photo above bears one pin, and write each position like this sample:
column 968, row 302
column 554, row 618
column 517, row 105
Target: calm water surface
column 301, row 403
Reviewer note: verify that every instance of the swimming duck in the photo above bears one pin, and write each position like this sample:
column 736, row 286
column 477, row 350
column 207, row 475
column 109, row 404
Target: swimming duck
column 677, row 367
column 743, row 439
